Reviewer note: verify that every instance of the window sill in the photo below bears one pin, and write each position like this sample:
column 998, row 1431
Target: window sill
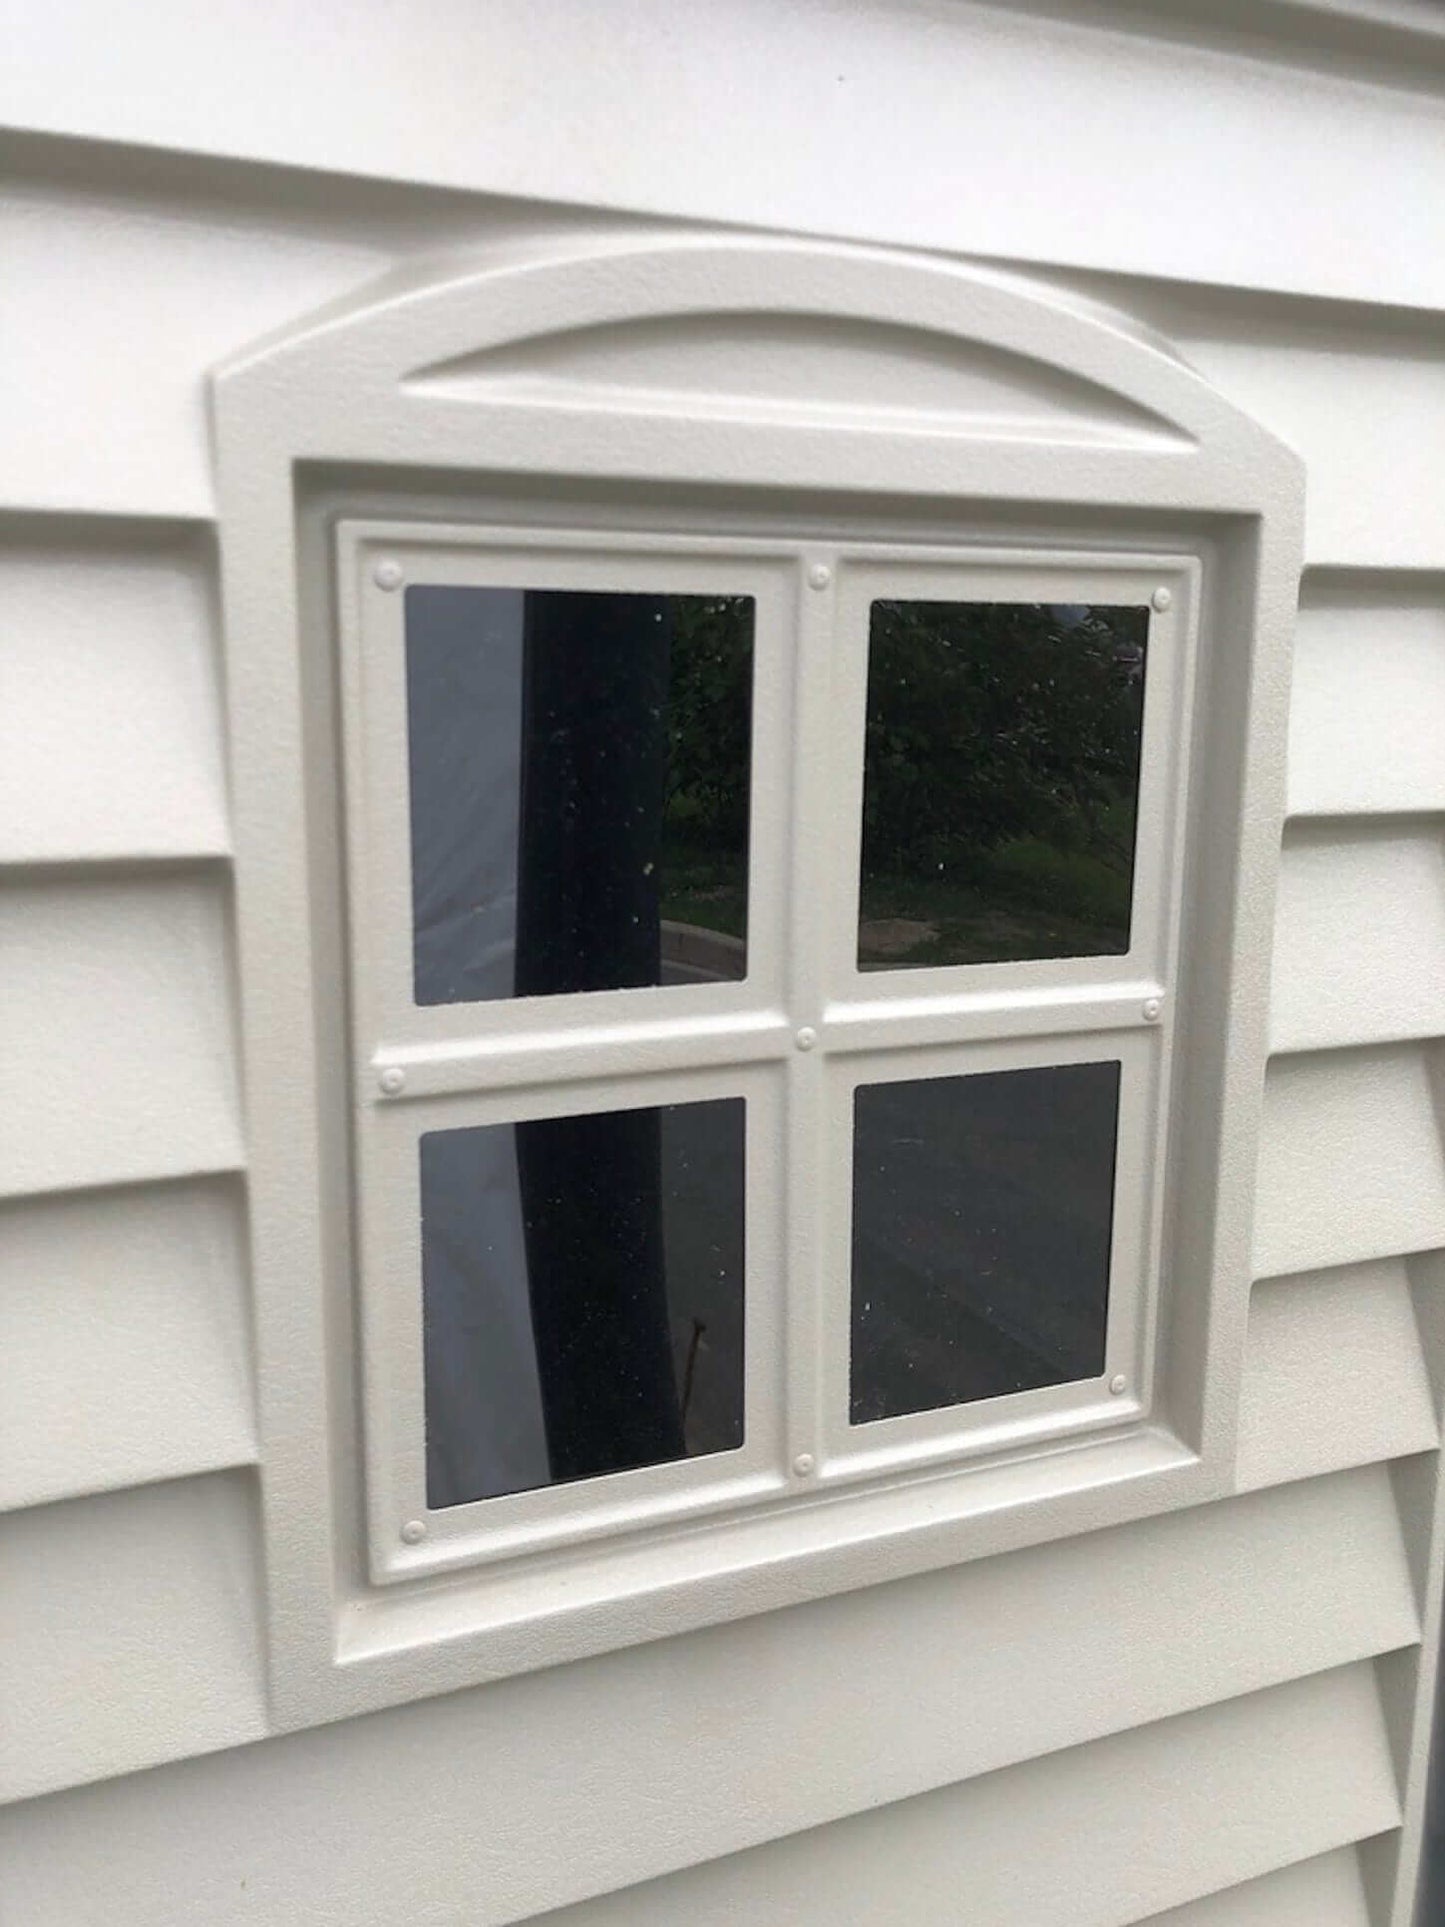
column 450, row 1631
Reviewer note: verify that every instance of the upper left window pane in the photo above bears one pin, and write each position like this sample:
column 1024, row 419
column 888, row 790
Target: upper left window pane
column 580, row 775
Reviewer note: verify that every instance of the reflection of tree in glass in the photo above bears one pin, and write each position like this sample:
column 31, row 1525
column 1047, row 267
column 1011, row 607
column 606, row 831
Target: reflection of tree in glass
column 709, row 700
column 1001, row 777
column 709, row 720
column 1002, row 760
column 988, row 721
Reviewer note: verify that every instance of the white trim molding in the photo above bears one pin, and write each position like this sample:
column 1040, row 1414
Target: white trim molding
column 764, row 404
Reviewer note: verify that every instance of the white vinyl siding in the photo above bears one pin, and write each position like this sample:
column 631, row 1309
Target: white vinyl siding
column 110, row 714
column 1207, row 1719
column 124, row 1321
column 137, row 1079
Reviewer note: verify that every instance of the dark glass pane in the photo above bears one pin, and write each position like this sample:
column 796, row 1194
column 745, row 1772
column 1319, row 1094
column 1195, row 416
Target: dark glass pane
column 982, row 1216
column 1001, row 782
column 582, row 1287
column 579, row 790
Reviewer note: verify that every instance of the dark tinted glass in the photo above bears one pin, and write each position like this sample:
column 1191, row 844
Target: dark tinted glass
column 582, row 1286
column 579, row 790
column 1001, row 779
column 982, row 1214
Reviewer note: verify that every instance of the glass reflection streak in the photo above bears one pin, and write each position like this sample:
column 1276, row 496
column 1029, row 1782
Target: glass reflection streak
column 579, row 777
column 583, row 1296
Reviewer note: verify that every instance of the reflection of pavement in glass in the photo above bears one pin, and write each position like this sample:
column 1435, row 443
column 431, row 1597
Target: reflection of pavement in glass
column 693, row 955
column 703, row 1236
column 881, row 939
column 982, row 1214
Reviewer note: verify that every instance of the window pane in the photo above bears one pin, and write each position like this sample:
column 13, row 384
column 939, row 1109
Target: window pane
column 579, row 790
column 1001, row 781
column 582, row 1285
column 982, row 1217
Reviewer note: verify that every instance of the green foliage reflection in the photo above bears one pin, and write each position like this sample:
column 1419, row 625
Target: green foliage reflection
column 1001, row 777
column 1000, row 782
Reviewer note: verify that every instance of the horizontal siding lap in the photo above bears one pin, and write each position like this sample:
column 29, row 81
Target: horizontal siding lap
column 1003, row 1660
column 1351, row 1164
column 120, row 1050
column 781, row 118
column 106, row 398
column 1334, row 1375
column 108, row 409
column 1324, row 1892
column 123, row 1324
column 1101, row 1836
column 1352, row 1161
column 1366, row 414
column 129, row 1632
column 1367, row 713
column 110, row 714
column 1360, row 935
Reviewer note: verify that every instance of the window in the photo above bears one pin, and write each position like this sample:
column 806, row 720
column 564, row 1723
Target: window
column 579, row 789
column 1001, row 778
column 763, row 954
column 757, row 780
column 983, row 1213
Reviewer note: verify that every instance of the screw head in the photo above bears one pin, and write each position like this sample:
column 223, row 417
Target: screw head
column 392, row 1080
column 1118, row 1384
column 803, row 1464
column 806, row 1038
column 387, row 574
column 819, row 576
column 413, row 1532
column 1162, row 599
column 1152, row 1008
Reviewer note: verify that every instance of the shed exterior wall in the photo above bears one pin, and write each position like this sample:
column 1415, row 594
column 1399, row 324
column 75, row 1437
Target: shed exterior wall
column 1211, row 1719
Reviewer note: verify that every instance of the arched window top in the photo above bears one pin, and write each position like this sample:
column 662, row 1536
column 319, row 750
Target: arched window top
column 738, row 359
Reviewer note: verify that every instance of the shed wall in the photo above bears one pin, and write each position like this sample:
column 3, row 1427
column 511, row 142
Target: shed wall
column 1208, row 1719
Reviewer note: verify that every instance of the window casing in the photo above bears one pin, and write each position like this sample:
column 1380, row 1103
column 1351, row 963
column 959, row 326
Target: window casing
column 794, row 1039
column 387, row 430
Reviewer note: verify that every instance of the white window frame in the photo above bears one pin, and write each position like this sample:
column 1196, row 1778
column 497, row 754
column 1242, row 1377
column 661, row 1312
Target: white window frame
column 423, row 1068
column 379, row 424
